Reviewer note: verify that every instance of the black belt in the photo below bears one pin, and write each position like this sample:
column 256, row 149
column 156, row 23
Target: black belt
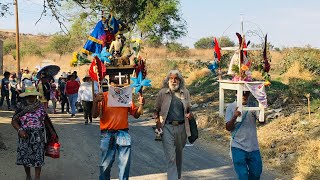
column 113, row 131
column 176, row 123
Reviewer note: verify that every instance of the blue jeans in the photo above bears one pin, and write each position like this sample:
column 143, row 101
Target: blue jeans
column 108, row 147
column 248, row 165
column 72, row 101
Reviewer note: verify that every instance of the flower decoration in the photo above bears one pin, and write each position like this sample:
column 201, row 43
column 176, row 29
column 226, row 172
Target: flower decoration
column 139, row 82
column 244, row 68
column 137, row 40
column 78, row 59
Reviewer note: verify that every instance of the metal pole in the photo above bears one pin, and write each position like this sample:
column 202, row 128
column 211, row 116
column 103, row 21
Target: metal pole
column 17, row 36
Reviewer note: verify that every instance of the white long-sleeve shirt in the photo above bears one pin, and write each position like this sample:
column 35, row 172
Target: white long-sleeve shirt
column 85, row 92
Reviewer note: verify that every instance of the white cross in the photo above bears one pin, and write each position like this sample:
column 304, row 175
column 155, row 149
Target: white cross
column 120, row 76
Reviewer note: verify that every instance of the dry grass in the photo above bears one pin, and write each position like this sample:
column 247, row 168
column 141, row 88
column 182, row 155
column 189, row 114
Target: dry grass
column 257, row 75
column 162, row 53
column 296, row 71
column 285, row 145
column 194, row 75
column 308, row 164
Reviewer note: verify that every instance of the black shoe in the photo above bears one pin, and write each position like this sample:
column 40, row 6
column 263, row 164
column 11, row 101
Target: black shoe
column 73, row 115
column 86, row 122
column 90, row 120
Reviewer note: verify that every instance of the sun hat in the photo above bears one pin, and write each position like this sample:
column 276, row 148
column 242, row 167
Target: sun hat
column 30, row 91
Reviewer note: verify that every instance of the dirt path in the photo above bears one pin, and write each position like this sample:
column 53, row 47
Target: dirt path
column 80, row 154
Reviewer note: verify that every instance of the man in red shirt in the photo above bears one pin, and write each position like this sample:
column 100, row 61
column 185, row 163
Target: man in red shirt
column 114, row 128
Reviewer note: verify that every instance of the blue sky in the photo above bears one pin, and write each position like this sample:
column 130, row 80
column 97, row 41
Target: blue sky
column 287, row 22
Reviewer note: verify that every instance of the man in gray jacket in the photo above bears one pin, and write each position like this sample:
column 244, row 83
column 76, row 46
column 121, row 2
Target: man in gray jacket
column 172, row 114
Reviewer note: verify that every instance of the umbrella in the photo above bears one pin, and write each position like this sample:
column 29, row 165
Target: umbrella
column 50, row 70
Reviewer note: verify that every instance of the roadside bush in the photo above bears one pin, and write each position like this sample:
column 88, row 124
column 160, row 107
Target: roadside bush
column 32, row 48
column 8, row 46
column 179, row 49
column 307, row 57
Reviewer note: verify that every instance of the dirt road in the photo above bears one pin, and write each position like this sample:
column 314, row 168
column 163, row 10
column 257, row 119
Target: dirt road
column 80, row 154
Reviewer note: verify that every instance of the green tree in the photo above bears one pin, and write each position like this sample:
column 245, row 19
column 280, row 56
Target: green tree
column 225, row 41
column 162, row 19
column 206, row 43
column 60, row 44
column 153, row 18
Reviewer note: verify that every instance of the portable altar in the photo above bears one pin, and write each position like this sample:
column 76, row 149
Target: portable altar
column 114, row 55
column 242, row 81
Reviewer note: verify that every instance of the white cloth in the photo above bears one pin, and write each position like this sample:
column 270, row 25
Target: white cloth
column 258, row 91
column 85, row 92
column 120, row 97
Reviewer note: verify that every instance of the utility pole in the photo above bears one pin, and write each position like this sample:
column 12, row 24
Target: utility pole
column 17, row 36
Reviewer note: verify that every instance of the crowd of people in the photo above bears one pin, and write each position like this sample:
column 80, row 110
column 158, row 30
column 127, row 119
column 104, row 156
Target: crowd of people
column 172, row 112
column 65, row 91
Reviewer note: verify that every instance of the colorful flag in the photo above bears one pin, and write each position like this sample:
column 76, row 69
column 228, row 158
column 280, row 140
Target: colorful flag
column 97, row 70
column 96, row 40
column 120, row 97
column 217, row 49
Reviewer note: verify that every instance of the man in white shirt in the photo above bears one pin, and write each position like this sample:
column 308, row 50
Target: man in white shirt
column 85, row 97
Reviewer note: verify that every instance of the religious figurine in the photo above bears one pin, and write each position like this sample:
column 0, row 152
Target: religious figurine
column 115, row 47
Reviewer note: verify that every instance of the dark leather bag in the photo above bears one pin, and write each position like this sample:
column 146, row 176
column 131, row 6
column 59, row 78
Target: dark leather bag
column 193, row 130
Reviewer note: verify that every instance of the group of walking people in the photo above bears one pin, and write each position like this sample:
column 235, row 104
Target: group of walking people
column 172, row 112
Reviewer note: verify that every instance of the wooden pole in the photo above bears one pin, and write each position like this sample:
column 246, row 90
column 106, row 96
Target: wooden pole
column 309, row 109
column 17, row 36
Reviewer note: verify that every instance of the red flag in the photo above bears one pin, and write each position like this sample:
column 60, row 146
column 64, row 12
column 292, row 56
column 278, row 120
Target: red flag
column 217, row 49
column 96, row 69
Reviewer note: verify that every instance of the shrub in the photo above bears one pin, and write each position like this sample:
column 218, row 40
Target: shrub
column 8, row 46
column 307, row 57
column 179, row 49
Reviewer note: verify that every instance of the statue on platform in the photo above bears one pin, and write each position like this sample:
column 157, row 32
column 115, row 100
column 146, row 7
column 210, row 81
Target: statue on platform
column 116, row 46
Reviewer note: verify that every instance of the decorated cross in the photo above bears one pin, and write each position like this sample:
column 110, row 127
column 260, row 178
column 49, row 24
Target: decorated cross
column 120, row 76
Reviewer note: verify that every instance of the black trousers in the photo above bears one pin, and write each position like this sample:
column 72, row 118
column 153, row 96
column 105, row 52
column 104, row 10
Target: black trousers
column 64, row 100
column 87, row 109
column 5, row 94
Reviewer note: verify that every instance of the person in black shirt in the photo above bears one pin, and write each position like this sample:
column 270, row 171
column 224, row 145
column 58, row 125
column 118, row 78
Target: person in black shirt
column 5, row 89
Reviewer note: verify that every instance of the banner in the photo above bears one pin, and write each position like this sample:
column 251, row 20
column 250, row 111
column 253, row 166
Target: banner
column 120, row 97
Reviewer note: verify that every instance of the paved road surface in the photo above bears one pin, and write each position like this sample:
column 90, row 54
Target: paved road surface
column 80, row 154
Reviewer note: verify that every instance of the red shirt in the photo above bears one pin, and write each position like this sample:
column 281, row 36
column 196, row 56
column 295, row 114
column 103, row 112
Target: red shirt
column 72, row 87
column 115, row 118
